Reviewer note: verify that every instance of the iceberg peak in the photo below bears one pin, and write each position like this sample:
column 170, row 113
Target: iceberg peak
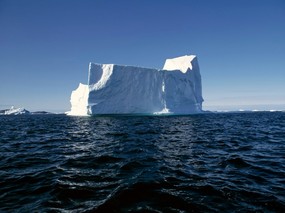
column 182, row 63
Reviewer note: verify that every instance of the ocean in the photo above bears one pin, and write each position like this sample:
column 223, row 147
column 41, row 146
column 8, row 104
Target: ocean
column 214, row 162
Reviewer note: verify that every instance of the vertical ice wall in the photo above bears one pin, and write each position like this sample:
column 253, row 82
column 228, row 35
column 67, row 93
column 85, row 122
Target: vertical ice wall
column 184, row 86
column 79, row 101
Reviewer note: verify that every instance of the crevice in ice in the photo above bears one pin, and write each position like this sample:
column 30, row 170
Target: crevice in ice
column 165, row 110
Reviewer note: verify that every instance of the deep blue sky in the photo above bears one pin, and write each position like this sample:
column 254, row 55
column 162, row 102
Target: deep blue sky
column 46, row 45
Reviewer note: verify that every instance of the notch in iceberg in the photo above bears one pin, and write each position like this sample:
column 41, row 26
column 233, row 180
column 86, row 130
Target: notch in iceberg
column 118, row 89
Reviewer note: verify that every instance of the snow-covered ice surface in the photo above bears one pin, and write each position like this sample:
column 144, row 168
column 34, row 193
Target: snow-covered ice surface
column 118, row 89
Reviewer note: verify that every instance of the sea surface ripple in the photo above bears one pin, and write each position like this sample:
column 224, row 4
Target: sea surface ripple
column 231, row 162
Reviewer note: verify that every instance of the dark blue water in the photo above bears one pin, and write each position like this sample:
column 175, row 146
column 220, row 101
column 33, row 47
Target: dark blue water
column 201, row 163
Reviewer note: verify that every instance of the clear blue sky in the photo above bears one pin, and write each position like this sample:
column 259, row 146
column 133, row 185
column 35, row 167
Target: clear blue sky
column 46, row 45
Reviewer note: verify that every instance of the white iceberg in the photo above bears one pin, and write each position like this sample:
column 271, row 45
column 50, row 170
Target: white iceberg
column 16, row 111
column 118, row 89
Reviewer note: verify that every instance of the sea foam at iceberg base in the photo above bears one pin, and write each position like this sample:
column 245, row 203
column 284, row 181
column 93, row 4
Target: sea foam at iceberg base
column 119, row 89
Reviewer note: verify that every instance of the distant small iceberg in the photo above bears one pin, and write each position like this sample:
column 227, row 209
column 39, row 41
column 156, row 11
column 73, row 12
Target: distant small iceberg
column 16, row 111
column 22, row 111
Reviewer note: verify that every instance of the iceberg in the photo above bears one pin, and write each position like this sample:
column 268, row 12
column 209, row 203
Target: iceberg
column 16, row 111
column 119, row 89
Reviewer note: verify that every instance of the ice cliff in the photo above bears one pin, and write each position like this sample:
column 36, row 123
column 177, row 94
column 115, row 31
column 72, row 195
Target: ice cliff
column 117, row 89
